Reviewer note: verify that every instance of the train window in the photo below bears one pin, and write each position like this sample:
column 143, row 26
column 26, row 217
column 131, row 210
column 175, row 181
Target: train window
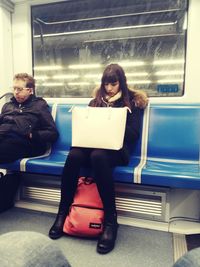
column 74, row 40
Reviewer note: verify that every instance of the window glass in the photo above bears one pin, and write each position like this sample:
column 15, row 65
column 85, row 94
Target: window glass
column 73, row 41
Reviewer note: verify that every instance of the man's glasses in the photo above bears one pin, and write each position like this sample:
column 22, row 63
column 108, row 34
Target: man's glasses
column 20, row 89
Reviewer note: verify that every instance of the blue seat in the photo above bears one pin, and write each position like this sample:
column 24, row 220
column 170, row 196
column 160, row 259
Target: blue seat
column 14, row 166
column 173, row 147
column 166, row 154
column 53, row 164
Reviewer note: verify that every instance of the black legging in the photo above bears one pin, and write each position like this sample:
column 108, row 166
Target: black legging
column 101, row 162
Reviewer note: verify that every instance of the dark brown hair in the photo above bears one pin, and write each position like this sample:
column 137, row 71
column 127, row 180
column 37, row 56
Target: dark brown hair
column 112, row 74
column 30, row 81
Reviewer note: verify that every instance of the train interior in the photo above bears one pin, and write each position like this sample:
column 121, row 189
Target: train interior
column 65, row 45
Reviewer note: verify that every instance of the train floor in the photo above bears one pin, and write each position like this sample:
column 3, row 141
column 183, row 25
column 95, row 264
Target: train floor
column 135, row 247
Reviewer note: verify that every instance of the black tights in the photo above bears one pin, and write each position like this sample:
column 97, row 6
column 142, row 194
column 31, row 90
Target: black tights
column 101, row 162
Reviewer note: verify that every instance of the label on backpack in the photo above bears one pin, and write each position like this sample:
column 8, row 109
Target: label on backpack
column 95, row 225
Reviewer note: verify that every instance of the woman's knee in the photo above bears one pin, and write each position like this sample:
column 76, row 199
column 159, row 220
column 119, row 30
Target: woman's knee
column 75, row 155
column 98, row 156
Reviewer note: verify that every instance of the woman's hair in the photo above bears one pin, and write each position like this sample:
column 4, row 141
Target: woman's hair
column 30, row 81
column 112, row 74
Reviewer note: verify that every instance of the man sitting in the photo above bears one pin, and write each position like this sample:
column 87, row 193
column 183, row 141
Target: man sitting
column 26, row 124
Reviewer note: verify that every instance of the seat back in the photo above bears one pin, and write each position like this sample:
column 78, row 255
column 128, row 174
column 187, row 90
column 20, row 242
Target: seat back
column 63, row 124
column 174, row 132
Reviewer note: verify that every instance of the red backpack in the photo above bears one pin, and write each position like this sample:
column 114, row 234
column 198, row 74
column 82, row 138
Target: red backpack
column 86, row 213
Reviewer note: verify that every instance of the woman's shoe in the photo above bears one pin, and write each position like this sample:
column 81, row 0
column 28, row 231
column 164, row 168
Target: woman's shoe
column 56, row 230
column 107, row 239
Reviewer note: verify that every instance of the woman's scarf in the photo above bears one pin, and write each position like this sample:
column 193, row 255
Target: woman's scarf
column 111, row 99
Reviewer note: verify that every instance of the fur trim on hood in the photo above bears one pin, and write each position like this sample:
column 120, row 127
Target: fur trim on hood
column 140, row 98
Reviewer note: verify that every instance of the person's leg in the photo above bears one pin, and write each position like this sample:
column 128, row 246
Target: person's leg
column 38, row 148
column 12, row 149
column 76, row 159
column 102, row 162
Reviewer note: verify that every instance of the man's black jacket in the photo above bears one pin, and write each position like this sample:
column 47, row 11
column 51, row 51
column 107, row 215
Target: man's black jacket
column 30, row 117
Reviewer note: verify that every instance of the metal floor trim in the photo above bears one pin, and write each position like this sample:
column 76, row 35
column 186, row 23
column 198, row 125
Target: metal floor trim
column 179, row 245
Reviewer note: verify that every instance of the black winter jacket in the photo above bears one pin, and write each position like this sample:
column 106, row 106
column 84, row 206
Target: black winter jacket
column 32, row 116
column 133, row 125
